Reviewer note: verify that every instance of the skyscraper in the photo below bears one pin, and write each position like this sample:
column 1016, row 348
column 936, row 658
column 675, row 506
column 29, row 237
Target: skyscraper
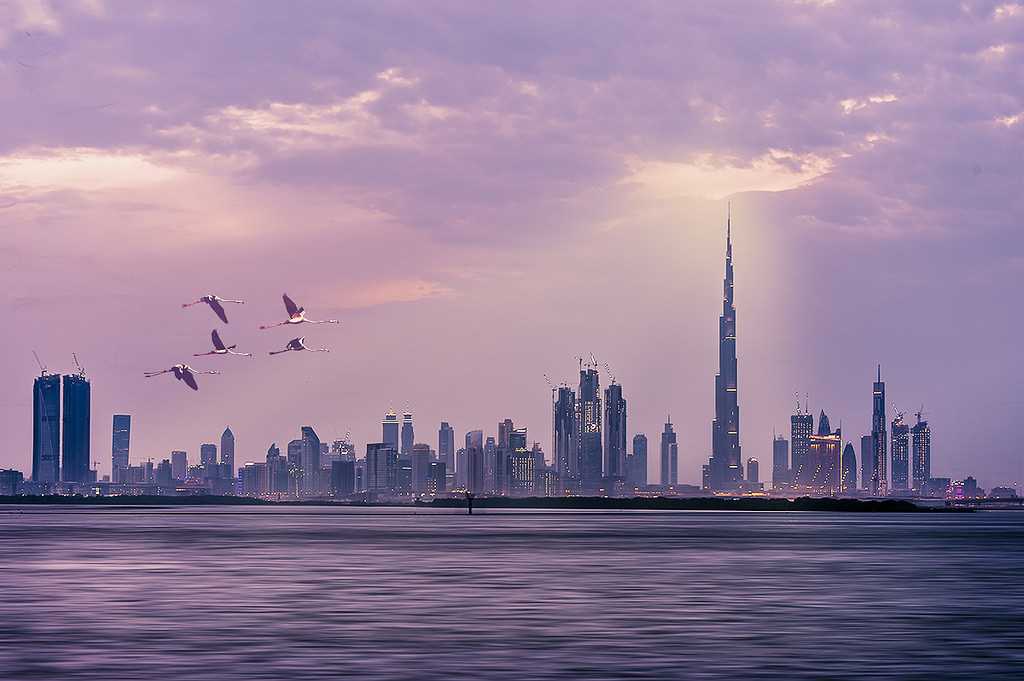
column 420, row 458
column 46, row 428
column 867, row 458
column 77, row 422
column 389, row 428
column 504, row 431
column 637, row 466
column 381, row 468
column 669, row 455
column 446, row 445
column 821, row 469
column 408, row 435
column 922, row 443
column 879, row 479
column 848, row 485
column 725, row 468
column 120, row 444
column 179, row 464
column 753, row 474
column 588, row 425
column 614, row 433
column 564, row 447
column 310, row 461
column 801, row 426
column 208, row 454
column 227, row 452
column 780, row 462
column 900, row 453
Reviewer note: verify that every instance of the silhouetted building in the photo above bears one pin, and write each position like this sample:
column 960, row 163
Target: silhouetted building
column 277, row 471
column 753, row 475
column 725, row 468
column 900, row 454
column 476, row 466
column 564, row 447
column 208, row 454
column 614, row 433
column 437, row 478
column 343, row 478
column 77, row 420
column 921, row 435
column 637, row 465
column 879, row 477
column 848, row 484
column 588, row 424
column 504, row 433
column 310, row 461
column 164, row 477
column 420, row 455
column 389, row 428
column 801, row 426
column 381, row 468
column 867, row 458
column 11, row 482
column 669, row 455
column 780, row 462
column 46, row 429
column 227, row 452
column 179, row 465
column 446, row 445
column 408, row 435
column 120, row 445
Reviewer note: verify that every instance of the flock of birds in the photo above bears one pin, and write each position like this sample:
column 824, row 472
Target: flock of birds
column 296, row 315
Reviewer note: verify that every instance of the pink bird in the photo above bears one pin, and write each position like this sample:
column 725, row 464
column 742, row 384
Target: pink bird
column 182, row 372
column 214, row 302
column 220, row 349
column 297, row 315
column 297, row 344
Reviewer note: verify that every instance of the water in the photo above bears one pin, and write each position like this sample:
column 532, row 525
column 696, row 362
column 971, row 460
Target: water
column 301, row 593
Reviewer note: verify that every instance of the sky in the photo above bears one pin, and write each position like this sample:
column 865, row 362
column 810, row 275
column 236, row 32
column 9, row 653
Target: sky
column 483, row 192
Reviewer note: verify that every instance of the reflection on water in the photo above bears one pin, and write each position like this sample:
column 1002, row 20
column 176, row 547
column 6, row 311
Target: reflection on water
column 297, row 593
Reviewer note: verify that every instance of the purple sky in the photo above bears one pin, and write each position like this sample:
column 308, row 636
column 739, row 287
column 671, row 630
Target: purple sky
column 483, row 191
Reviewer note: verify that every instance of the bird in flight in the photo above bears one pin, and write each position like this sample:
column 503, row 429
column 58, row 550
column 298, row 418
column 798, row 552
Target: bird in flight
column 297, row 315
column 297, row 344
column 214, row 302
column 182, row 372
column 220, row 349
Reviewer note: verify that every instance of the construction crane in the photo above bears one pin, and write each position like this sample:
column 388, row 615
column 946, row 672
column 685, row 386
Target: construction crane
column 899, row 414
column 42, row 367
column 608, row 370
column 920, row 414
column 81, row 369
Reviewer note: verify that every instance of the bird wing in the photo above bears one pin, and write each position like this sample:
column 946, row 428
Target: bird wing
column 189, row 379
column 290, row 305
column 217, row 342
column 295, row 344
column 219, row 309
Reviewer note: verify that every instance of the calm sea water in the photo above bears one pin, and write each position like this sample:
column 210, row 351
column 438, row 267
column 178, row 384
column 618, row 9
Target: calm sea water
column 299, row 593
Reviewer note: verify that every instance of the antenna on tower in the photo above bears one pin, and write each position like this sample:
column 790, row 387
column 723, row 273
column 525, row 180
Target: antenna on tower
column 807, row 403
column 797, row 396
column 42, row 367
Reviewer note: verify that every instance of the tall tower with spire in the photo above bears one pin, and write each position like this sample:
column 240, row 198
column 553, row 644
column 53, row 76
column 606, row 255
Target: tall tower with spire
column 725, row 468
column 879, row 478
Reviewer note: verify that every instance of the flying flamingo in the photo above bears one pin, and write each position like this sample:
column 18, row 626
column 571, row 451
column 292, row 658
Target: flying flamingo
column 182, row 372
column 220, row 349
column 297, row 315
column 214, row 301
column 296, row 344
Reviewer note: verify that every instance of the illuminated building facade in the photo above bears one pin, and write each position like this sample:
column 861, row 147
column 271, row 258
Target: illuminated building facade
column 879, row 478
column 588, row 429
column 821, row 470
column 801, row 425
column 120, row 444
column 848, row 483
column 900, row 454
column 922, row 443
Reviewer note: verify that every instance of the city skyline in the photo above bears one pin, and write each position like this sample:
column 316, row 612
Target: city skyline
column 516, row 206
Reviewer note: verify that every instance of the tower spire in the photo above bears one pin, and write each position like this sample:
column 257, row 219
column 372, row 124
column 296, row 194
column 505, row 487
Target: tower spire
column 879, row 373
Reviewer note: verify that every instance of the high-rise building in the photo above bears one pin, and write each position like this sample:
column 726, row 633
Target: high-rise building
column 522, row 468
column 389, row 428
column 227, row 452
column 637, row 465
column 504, row 433
column 564, row 446
column 879, row 478
column 900, row 454
column 310, row 461
column 277, row 471
column 922, row 443
column 437, row 478
column 821, row 469
column 516, row 439
column 77, row 421
column 669, row 455
column 725, row 468
column 179, row 465
column 492, row 461
column 780, row 462
column 408, row 435
column 753, row 474
column 381, row 468
column 867, row 458
column 120, row 444
column 848, row 485
column 588, row 424
column 801, row 426
column 421, row 455
column 446, row 445
column 164, row 478
column 475, row 440
column 343, row 478
column 614, row 433
column 476, row 466
column 208, row 454
column 46, row 428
